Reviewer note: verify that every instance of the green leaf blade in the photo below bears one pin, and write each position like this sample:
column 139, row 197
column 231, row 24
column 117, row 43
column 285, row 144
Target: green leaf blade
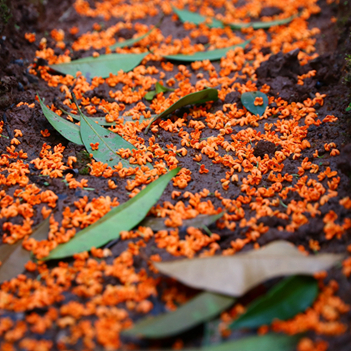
column 109, row 143
column 248, row 100
column 99, row 120
column 101, row 66
column 262, row 25
column 150, row 95
column 288, row 298
column 68, row 130
column 123, row 217
column 212, row 55
column 158, row 89
column 200, row 309
column 130, row 42
column 268, row 342
column 161, row 88
column 198, row 97
column 14, row 257
column 193, row 17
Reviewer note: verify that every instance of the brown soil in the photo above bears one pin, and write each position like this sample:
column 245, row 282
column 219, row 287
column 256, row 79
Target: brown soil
column 280, row 72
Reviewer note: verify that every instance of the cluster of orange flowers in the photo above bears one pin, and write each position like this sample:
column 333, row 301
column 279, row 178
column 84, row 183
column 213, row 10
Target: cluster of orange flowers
column 211, row 139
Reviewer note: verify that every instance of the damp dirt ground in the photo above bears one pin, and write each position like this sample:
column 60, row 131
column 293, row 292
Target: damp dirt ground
column 280, row 72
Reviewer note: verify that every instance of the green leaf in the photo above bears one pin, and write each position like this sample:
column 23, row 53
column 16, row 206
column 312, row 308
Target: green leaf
column 150, row 95
column 193, row 17
column 261, row 25
column 100, row 120
column 132, row 41
column 248, row 100
column 268, row 342
column 285, row 300
column 123, row 217
column 198, row 222
column 14, row 257
column 200, row 309
column 237, row 274
column 100, row 66
column 198, row 97
column 158, row 89
column 67, row 129
column 161, row 88
column 109, row 142
column 206, row 55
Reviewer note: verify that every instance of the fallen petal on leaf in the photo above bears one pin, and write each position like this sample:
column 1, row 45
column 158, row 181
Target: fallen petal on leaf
column 68, row 130
column 248, row 100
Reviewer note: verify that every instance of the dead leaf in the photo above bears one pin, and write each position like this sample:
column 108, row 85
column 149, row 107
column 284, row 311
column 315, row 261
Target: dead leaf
column 235, row 275
column 14, row 257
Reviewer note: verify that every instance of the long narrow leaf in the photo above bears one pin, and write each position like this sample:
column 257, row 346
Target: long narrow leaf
column 268, row 342
column 14, row 257
column 200, row 309
column 100, row 66
column 132, row 41
column 108, row 142
column 193, row 17
column 261, row 25
column 67, row 129
column 212, row 55
column 194, row 98
column 198, row 222
column 158, row 89
column 97, row 119
column 123, row 217
column 102, row 120
column 288, row 298
column 235, row 275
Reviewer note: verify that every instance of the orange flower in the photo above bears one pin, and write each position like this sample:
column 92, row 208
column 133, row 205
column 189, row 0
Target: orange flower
column 203, row 170
column 258, row 101
column 30, row 37
column 45, row 133
column 112, row 184
column 94, row 146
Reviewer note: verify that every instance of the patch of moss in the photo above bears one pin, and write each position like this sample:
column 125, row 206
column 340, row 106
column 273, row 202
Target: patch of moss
column 83, row 158
column 5, row 13
column 347, row 77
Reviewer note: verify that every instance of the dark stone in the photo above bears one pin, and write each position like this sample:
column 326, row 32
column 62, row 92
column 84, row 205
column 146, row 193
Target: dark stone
column 264, row 148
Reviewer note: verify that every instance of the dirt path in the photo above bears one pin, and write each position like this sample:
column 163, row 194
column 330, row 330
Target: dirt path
column 304, row 137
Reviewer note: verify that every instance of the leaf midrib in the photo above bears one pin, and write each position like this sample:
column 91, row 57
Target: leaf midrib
column 96, row 133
